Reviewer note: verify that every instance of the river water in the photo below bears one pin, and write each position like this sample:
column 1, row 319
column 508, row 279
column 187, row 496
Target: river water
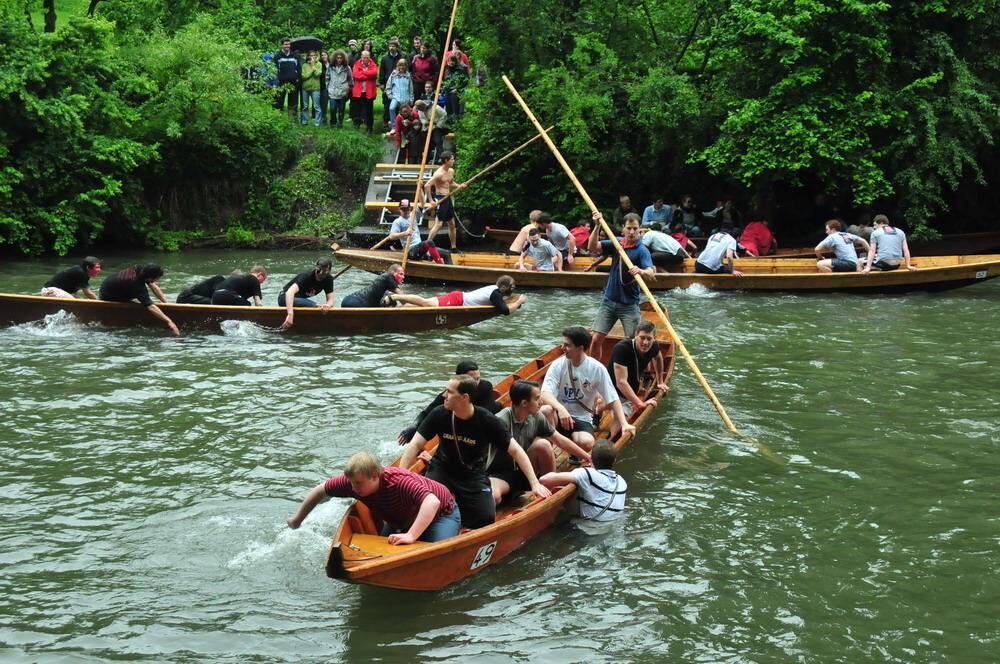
column 144, row 483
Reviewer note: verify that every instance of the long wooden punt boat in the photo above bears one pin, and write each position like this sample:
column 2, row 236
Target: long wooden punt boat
column 760, row 274
column 17, row 309
column 358, row 554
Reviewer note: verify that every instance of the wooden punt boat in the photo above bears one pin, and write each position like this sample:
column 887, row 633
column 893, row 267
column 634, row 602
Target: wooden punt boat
column 760, row 274
column 17, row 309
column 359, row 555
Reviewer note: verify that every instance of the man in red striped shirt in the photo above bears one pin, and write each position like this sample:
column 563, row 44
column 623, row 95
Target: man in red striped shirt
column 412, row 506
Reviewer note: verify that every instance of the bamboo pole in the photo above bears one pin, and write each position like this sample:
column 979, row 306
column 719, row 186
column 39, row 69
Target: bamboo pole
column 642, row 284
column 418, row 199
column 479, row 175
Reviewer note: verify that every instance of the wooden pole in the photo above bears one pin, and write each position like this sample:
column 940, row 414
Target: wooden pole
column 642, row 284
column 427, row 140
column 479, row 175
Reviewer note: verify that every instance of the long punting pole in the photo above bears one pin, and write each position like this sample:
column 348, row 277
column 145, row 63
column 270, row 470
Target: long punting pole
column 642, row 284
column 482, row 173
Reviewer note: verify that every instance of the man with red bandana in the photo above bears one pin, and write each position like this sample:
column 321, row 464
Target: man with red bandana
column 72, row 279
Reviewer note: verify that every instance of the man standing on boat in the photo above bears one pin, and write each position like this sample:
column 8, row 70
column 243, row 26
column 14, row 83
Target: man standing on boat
column 297, row 292
column 412, row 506
column 845, row 255
column 536, row 436
column 443, row 181
column 888, row 247
column 621, row 294
column 573, row 384
column 469, row 436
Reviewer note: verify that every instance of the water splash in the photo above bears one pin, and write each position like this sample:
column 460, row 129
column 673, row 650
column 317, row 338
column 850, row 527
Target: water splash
column 60, row 324
column 695, row 291
column 244, row 329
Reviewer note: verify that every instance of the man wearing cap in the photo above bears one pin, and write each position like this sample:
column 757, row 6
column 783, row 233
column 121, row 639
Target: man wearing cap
column 418, row 250
column 385, row 67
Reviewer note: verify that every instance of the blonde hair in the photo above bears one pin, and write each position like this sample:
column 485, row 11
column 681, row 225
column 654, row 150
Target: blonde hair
column 534, row 214
column 364, row 464
column 258, row 269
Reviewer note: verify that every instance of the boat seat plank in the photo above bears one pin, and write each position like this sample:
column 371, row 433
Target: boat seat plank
column 374, row 544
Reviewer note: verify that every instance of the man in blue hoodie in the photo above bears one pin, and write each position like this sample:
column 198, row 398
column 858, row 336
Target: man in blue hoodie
column 289, row 78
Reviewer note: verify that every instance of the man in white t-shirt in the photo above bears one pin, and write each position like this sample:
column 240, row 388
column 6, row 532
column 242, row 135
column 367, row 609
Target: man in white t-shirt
column 571, row 388
column 719, row 254
column 496, row 295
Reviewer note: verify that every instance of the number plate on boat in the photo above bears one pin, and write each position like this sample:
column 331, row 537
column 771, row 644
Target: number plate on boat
column 483, row 555
column 981, row 274
column 441, row 319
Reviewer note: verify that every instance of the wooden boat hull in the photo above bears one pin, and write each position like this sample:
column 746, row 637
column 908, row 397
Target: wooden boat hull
column 358, row 556
column 760, row 274
column 17, row 309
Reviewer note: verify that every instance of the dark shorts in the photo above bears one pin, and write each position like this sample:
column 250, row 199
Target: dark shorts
column 663, row 259
column 505, row 469
column 475, row 499
column 840, row 265
column 887, row 266
column 351, row 302
column 701, row 268
column 228, row 298
column 187, row 297
column 446, row 211
column 585, row 427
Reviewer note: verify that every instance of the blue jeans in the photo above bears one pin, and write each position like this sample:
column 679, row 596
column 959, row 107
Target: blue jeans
column 394, row 111
column 337, row 108
column 299, row 301
column 611, row 312
column 317, row 112
column 443, row 527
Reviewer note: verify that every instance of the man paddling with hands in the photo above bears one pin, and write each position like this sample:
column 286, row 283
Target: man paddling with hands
column 130, row 285
column 412, row 506
column 469, row 435
column 77, row 278
column 297, row 292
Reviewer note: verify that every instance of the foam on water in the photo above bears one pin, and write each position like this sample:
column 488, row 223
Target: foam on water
column 697, row 291
column 245, row 329
column 60, row 324
column 306, row 543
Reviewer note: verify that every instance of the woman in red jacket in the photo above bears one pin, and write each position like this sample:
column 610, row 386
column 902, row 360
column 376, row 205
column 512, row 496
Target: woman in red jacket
column 365, row 87
column 424, row 67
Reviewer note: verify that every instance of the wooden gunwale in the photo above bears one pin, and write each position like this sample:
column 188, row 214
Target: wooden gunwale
column 764, row 274
column 433, row 566
column 18, row 309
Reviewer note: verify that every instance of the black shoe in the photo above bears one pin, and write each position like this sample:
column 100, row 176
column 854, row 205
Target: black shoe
column 574, row 460
column 387, row 300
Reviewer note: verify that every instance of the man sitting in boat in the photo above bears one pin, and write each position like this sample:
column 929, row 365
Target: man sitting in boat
column 297, row 292
column 719, row 254
column 544, row 255
column 419, row 251
column 572, row 386
column 239, row 289
column 888, row 247
column 201, row 292
column 621, row 294
column 664, row 250
column 841, row 243
column 536, row 436
column 483, row 398
column 67, row 282
column 600, row 491
column 521, row 239
column 374, row 294
column 558, row 235
column 629, row 360
column 412, row 506
column 130, row 285
column 468, row 436
column 494, row 295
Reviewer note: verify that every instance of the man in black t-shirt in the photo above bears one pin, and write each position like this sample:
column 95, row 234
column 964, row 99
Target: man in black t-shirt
column 201, row 292
column 629, row 360
column 469, row 435
column 237, row 290
column 130, row 285
column 371, row 296
column 297, row 292
column 72, row 279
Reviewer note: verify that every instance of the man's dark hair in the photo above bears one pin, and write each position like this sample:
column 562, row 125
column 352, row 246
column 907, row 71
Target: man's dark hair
column 835, row 225
column 657, row 197
column 465, row 366
column 646, row 326
column 532, row 232
column 466, row 385
column 446, row 155
column 325, row 263
column 604, row 454
column 520, row 391
column 544, row 218
column 656, row 226
column 89, row 262
column 578, row 336
column 150, row 271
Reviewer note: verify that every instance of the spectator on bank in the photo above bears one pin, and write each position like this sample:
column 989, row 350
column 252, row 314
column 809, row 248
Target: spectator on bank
column 723, row 213
column 424, row 67
column 424, row 109
column 354, row 53
column 624, row 208
column 386, row 66
column 456, row 49
column 687, row 213
column 324, row 96
column 312, row 82
column 417, row 42
column 369, row 46
column 338, row 86
column 365, row 73
column 427, row 92
column 289, row 75
column 656, row 212
column 456, row 79
column 398, row 90
column 407, row 132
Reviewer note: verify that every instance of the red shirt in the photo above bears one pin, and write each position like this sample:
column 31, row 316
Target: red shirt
column 581, row 235
column 423, row 69
column 757, row 238
column 399, row 495
column 464, row 58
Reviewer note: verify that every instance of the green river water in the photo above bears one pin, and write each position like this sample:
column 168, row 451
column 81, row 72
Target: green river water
column 144, row 483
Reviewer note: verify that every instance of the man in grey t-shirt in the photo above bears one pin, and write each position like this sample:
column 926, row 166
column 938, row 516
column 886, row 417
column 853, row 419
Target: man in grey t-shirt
column 841, row 243
column 543, row 254
column 888, row 247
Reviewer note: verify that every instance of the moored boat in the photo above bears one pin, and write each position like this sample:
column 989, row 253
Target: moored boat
column 359, row 554
column 759, row 274
column 17, row 309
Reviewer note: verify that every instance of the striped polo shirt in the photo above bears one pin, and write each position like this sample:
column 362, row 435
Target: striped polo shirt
column 399, row 495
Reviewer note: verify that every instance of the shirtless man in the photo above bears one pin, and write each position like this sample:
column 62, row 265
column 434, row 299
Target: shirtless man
column 443, row 181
